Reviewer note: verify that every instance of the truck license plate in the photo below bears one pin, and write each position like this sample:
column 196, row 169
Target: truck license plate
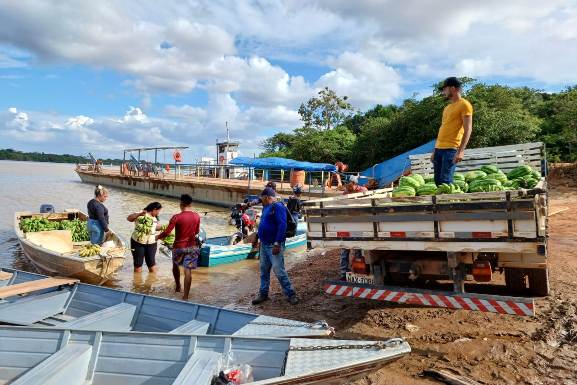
column 360, row 278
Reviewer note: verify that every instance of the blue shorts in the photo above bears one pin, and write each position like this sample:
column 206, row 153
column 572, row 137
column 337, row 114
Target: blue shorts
column 444, row 165
column 96, row 231
column 186, row 257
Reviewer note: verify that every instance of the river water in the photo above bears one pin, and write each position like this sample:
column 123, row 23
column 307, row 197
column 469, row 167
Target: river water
column 27, row 185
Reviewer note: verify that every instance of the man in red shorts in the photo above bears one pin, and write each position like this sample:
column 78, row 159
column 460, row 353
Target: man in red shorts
column 185, row 251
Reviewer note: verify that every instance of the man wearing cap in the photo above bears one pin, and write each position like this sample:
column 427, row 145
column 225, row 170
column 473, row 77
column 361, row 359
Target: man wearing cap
column 272, row 235
column 454, row 134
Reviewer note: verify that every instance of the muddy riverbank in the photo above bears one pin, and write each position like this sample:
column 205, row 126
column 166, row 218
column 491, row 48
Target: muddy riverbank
column 491, row 348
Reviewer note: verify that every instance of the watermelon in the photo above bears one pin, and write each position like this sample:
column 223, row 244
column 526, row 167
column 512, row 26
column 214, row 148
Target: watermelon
column 404, row 191
column 498, row 176
column 472, row 175
column 489, row 169
column 458, row 176
column 409, row 181
column 519, row 172
column 427, row 189
column 418, row 178
column 429, row 178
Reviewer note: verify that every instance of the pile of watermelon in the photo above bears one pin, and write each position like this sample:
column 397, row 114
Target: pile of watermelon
column 487, row 178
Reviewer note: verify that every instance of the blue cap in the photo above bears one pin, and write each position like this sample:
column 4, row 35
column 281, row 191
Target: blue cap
column 297, row 189
column 268, row 192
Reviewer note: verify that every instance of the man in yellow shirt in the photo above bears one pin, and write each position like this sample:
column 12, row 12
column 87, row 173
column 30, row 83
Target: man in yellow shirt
column 454, row 133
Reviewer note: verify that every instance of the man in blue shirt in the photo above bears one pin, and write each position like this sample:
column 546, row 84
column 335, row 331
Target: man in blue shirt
column 272, row 234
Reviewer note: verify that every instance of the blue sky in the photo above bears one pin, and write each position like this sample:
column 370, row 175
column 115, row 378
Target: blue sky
column 100, row 76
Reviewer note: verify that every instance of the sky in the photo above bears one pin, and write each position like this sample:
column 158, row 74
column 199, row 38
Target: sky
column 98, row 76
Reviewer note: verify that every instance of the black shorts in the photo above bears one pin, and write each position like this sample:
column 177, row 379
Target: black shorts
column 142, row 252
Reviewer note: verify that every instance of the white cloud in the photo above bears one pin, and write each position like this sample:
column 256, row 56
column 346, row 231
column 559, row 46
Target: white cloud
column 246, row 54
column 367, row 81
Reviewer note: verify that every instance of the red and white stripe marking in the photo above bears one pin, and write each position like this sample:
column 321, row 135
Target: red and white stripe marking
column 477, row 302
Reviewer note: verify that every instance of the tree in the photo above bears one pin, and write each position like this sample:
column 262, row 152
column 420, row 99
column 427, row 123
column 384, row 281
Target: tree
column 279, row 144
column 500, row 116
column 326, row 111
column 326, row 146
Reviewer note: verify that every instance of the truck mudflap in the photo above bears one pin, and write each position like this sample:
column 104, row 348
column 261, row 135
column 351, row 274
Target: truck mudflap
column 450, row 300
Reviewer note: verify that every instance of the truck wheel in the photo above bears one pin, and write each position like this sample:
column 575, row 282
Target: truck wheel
column 538, row 281
column 515, row 280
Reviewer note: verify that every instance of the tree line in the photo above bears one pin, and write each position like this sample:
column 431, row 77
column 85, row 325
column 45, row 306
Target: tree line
column 333, row 131
column 11, row 154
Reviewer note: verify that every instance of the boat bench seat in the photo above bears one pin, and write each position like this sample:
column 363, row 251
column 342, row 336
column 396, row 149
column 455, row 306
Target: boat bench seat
column 199, row 368
column 68, row 365
column 192, row 327
column 33, row 308
column 114, row 318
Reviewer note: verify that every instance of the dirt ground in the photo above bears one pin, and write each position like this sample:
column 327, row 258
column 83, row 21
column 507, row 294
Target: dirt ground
column 490, row 348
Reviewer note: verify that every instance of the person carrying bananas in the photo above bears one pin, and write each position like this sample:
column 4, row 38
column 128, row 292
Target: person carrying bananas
column 143, row 239
column 185, row 249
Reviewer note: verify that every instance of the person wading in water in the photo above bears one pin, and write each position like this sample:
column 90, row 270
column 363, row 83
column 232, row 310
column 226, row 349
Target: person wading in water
column 185, row 250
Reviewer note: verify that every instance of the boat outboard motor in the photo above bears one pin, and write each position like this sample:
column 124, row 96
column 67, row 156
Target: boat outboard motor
column 47, row 208
column 200, row 237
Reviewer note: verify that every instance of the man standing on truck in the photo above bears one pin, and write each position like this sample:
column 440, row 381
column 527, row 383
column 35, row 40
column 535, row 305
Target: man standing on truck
column 454, row 134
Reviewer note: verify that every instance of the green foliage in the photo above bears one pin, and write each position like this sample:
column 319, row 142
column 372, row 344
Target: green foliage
column 502, row 115
column 326, row 111
column 10, row 154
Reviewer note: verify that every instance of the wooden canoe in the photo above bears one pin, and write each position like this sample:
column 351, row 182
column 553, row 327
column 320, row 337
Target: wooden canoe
column 40, row 356
column 61, row 303
column 54, row 253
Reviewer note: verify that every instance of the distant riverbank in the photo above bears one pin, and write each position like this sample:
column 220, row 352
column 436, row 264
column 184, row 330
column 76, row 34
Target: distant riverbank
column 10, row 154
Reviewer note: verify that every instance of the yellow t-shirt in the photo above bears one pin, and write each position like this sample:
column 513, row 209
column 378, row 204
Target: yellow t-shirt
column 451, row 131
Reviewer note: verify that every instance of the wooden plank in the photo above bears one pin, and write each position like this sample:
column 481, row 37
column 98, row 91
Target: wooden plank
column 484, row 155
column 428, row 217
column 510, row 147
column 424, row 244
column 4, row 275
column 421, row 208
column 449, row 378
column 32, row 286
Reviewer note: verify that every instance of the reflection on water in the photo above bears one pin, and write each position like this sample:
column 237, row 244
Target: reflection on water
column 27, row 185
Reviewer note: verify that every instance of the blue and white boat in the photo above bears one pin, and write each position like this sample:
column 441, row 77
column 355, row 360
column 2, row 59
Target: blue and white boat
column 218, row 250
column 30, row 299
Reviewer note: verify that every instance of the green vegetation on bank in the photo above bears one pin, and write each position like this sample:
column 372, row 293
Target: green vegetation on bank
column 10, row 154
column 503, row 115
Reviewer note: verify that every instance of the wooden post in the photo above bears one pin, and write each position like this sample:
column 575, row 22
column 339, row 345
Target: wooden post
column 322, row 184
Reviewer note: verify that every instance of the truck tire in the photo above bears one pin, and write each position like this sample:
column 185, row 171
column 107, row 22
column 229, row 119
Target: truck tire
column 538, row 281
column 515, row 280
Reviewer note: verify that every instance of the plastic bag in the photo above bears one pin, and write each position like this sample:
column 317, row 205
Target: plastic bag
column 232, row 373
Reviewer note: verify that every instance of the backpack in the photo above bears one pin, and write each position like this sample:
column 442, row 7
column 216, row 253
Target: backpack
column 291, row 225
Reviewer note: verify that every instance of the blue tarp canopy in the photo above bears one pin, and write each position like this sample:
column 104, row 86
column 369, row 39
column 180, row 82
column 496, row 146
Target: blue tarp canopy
column 390, row 170
column 281, row 164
